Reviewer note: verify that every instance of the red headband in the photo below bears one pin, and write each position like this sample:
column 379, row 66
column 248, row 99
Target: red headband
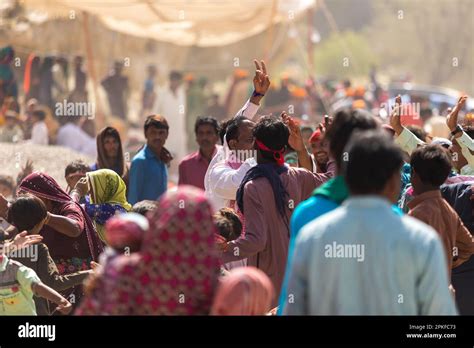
column 315, row 136
column 277, row 154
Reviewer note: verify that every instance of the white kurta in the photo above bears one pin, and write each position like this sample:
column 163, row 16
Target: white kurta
column 222, row 181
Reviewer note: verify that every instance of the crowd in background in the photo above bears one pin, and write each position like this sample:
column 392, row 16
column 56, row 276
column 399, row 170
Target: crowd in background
column 47, row 100
column 320, row 206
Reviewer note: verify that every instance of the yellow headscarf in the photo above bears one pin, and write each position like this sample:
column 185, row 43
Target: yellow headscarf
column 107, row 187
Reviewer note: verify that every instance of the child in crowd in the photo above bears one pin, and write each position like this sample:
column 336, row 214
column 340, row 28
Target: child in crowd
column 144, row 207
column 18, row 285
column 228, row 223
column 75, row 171
column 28, row 213
column 229, row 227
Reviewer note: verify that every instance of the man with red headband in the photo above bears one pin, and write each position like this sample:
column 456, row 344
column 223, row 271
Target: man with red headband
column 319, row 152
column 231, row 163
column 266, row 197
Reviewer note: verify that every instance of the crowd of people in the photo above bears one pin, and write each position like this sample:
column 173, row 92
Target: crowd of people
column 271, row 215
column 47, row 100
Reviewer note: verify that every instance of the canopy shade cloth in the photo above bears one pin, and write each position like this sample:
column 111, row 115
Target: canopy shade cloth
column 182, row 22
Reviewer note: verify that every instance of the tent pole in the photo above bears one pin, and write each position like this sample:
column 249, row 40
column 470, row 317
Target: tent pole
column 99, row 115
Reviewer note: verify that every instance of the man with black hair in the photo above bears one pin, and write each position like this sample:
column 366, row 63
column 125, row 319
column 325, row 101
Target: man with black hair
column 362, row 258
column 229, row 166
column 331, row 194
column 149, row 168
column 266, row 197
column 461, row 153
column 193, row 167
column 430, row 167
column 225, row 173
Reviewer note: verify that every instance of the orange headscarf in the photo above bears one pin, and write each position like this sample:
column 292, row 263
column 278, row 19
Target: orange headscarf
column 245, row 291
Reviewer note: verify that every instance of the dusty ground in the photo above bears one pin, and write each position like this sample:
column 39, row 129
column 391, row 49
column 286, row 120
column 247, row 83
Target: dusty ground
column 50, row 159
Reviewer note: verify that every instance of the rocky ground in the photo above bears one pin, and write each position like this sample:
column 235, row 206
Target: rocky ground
column 50, row 159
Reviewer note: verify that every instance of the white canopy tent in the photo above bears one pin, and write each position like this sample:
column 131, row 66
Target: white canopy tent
column 201, row 23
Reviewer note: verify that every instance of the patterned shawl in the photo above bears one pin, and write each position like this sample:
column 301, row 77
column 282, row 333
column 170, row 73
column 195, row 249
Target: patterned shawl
column 175, row 272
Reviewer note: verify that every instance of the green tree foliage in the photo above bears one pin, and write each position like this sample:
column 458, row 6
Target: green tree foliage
column 346, row 54
column 430, row 39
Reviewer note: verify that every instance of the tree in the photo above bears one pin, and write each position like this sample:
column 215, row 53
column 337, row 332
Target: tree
column 345, row 54
column 430, row 39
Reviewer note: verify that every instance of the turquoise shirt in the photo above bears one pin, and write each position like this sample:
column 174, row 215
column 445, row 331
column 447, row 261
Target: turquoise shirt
column 327, row 198
column 362, row 259
column 148, row 177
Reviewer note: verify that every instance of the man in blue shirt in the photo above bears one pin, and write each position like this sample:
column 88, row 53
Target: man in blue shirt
column 149, row 169
column 362, row 258
column 331, row 194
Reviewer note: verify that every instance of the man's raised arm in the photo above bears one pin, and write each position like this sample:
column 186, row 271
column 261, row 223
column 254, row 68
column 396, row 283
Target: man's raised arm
column 261, row 83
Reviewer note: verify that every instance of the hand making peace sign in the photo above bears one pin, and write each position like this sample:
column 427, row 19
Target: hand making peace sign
column 261, row 81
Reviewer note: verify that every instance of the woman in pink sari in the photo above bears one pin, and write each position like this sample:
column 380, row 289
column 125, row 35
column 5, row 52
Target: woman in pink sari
column 176, row 270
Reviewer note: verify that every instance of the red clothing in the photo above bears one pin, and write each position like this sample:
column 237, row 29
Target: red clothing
column 87, row 245
column 175, row 272
column 192, row 169
column 62, row 246
column 70, row 254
